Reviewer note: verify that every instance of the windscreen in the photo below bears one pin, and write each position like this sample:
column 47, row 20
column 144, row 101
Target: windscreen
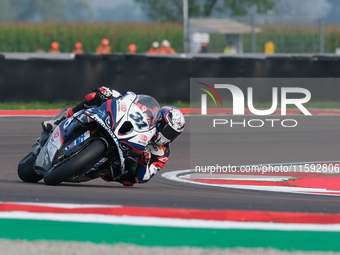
column 149, row 106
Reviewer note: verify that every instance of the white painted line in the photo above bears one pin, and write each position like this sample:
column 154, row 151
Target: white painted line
column 236, row 177
column 64, row 205
column 174, row 176
column 168, row 222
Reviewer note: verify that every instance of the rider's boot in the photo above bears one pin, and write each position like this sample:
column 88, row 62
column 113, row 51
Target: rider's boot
column 50, row 125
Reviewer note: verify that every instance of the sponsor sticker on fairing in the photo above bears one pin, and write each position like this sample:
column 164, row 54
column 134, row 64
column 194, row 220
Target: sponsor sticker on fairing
column 144, row 138
column 52, row 150
column 101, row 122
column 123, row 107
column 56, row 134
column 79, row 140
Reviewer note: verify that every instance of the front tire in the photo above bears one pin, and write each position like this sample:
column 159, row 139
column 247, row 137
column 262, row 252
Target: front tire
column 84, row 159
column 26, row 171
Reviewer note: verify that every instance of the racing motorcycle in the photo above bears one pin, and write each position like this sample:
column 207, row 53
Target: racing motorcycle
column 93, row 141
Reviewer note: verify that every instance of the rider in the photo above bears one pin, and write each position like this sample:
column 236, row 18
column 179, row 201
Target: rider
column 169, row 122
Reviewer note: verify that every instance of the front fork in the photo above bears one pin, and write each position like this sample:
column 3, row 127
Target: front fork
column 43, row 138
column 40, row 142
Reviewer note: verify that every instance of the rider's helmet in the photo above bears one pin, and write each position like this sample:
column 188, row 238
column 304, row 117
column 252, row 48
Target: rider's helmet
column 170, row 123
column 105, row 42
column 78, row 45
column 55, row 45
column 165, row 43
column 155, row 44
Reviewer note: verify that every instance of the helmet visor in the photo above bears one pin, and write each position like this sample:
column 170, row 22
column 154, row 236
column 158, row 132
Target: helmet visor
column 169, row 133
column 149, row 106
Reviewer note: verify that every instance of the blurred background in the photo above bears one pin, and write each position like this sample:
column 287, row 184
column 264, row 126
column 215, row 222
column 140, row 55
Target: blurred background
column 290, row 26
column 155, row 46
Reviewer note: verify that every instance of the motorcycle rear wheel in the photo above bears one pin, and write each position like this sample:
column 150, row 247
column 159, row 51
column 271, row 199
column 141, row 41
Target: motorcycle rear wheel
column 25, row 169
column 82, row 160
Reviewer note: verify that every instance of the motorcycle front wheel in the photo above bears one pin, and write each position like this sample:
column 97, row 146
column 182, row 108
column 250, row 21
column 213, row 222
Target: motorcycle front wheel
column 26, row 171
column 82, row 160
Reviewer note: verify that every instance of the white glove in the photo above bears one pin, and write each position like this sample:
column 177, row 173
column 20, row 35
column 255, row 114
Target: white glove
column 109, row 93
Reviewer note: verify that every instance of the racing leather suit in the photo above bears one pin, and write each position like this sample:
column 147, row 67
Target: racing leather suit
column 150, row 162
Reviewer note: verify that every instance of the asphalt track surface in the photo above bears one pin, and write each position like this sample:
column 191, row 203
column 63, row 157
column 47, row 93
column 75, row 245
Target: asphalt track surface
column 17, row 135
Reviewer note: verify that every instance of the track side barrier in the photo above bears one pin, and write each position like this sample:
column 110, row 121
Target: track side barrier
column 166, row 78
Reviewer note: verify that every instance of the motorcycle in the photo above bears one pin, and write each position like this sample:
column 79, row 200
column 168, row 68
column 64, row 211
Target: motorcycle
column 93, row 141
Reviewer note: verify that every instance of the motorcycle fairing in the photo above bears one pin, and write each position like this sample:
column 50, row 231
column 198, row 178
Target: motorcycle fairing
column 78, row 141
column 56, row 140
column 49, row 150
column 131, row 149
column 111, row 116
column 116, row 113
column 109, row 131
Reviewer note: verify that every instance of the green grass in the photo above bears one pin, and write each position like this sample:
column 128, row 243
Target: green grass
column 27, row 37
column 168, row 236
column 296, row 38
column 179, row 104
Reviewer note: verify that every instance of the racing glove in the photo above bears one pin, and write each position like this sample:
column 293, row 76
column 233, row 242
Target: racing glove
column 107, row 92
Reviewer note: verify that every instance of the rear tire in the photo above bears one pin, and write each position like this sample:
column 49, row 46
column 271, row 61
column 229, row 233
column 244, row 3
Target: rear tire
column 26, row 171
column 84, row 159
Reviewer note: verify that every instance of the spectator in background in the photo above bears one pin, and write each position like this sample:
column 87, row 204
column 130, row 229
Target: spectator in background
column 230, row 49
column 78, row 48
column 166, row 48
column 104, row 48
column 40, row 50
column 54, row 48
column 204, row 48
column 154, row 48
column 132, row 49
